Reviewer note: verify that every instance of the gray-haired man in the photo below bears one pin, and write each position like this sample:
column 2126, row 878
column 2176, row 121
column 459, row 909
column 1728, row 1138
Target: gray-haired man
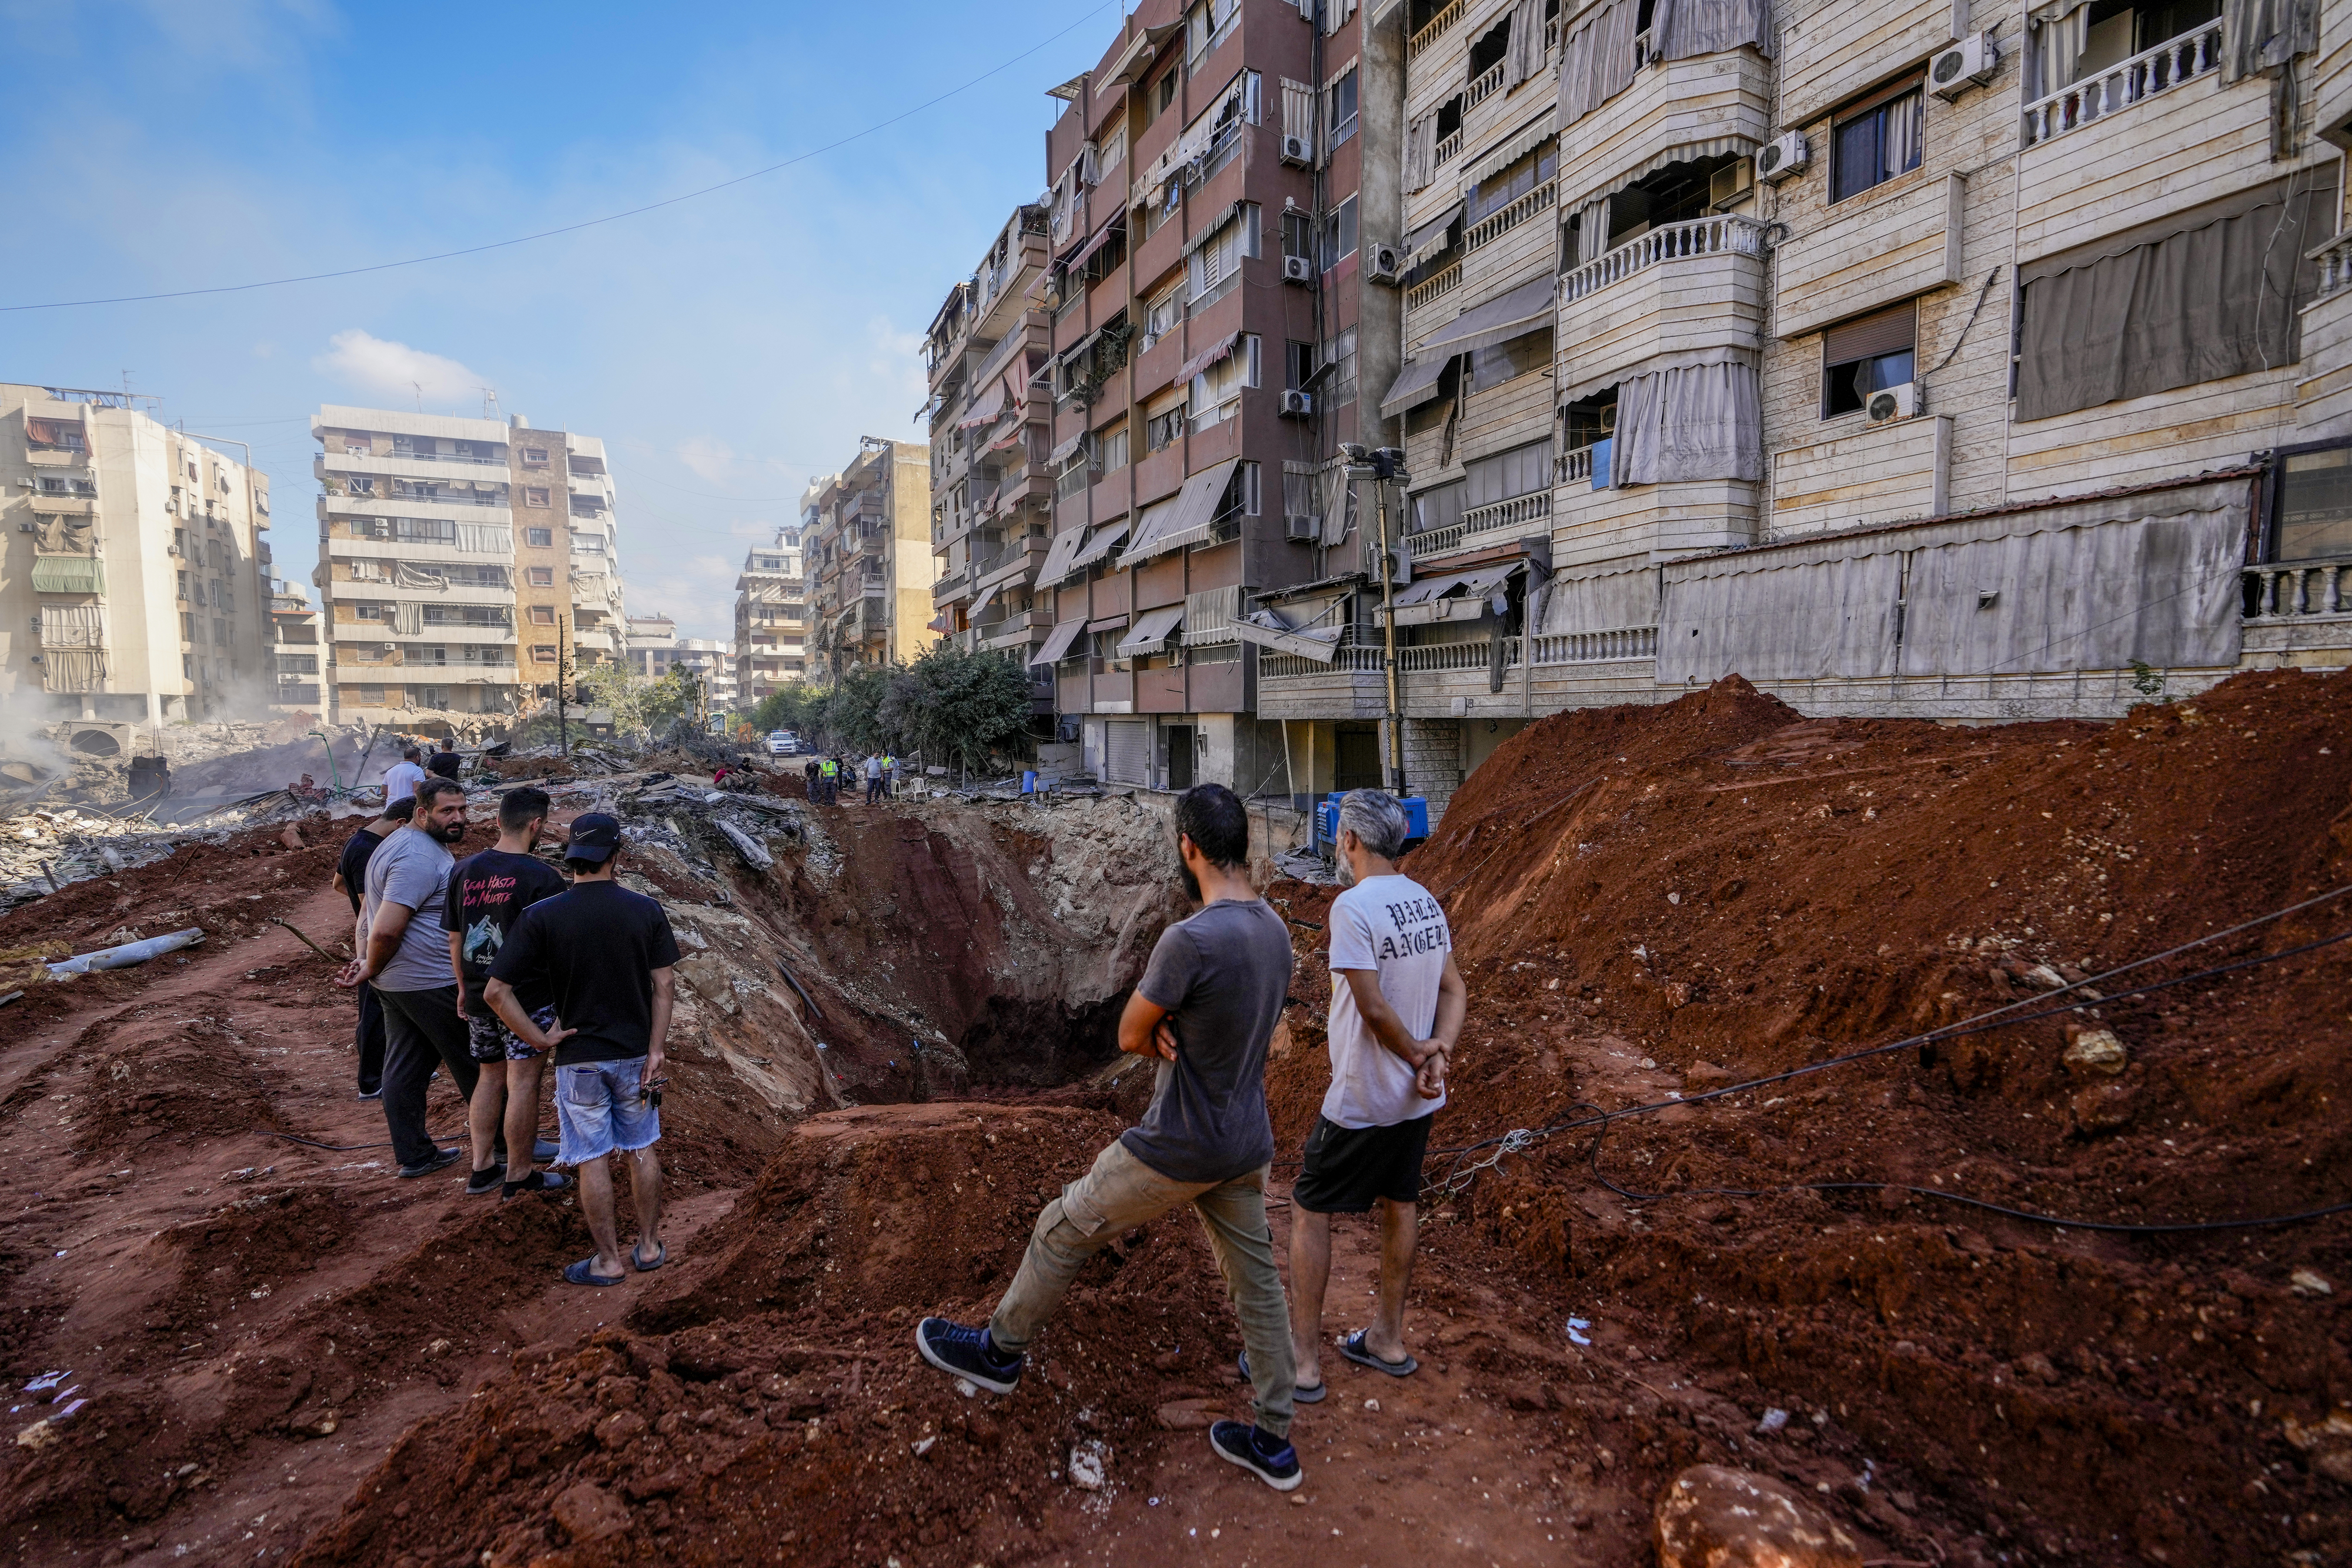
column 1397, row 1004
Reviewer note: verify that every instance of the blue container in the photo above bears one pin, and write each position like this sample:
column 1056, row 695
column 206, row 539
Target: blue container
column 1601, row 451
column 1028, row 782
column 1327, row 821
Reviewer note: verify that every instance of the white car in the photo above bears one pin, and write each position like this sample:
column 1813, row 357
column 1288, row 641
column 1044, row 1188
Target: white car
column 782, row 743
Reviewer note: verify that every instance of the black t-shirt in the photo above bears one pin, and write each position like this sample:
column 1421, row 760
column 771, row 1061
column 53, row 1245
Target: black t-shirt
column 445, row 763
column 597, row 949
column 352, row 866
column 488, row 893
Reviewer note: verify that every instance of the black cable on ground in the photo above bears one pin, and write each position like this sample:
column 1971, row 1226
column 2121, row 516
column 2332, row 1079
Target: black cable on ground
column 459, row 1136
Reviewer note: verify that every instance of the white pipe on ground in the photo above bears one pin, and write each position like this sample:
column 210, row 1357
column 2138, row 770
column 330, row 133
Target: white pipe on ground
column 130, row 952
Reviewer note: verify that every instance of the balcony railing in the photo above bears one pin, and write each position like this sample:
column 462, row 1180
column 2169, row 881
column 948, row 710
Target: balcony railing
column 1510, row 216
column 1428, row 657
column 2335, row 259
column 1430, row 291
column 1446, row 151
column 1514, row 512
column 1433, row 541
column 2193, row 54
column 1433, row 29
column 2292, row 589
column 1484, row 87
column 1673, row 242
column 949, row 588
column 1598, row 647
column 1576, row 467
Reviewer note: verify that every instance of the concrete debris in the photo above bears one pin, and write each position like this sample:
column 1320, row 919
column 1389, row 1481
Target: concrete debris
column 129, row 952
column 1088, row 1463
column 2309, row 1283
column 2096, row 1051
column 1712, row 1516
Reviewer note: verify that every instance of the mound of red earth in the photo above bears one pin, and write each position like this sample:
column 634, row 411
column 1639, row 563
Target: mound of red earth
column 1654, row 902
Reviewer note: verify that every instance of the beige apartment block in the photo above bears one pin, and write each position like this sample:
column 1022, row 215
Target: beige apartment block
column 295, row 653
column 133, row 576
column 463, row 562
column 867, row 561
column 770, row 648
column 1972, row 362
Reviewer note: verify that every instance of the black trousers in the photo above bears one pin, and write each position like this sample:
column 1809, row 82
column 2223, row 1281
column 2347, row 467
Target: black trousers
column 422, row 1032
column 371, row 1039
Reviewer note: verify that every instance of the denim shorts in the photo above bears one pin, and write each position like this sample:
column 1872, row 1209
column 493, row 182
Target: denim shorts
column 487, row 1038
column 598, row 1110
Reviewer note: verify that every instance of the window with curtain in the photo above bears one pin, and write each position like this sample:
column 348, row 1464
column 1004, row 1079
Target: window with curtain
column 1162, row 315
column 1867, row 356
column 1215, row 266
column 1491, row 195
column 1521, row 471
column 1339, row 386
column 1114, row 449
column 1874, row 143
column 1438, row 508
column 1340, row 110
column 1509, row 361
column 1216, row 391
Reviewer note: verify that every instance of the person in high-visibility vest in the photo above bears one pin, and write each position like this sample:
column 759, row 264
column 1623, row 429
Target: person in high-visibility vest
column 889, row 777
column 828, row 776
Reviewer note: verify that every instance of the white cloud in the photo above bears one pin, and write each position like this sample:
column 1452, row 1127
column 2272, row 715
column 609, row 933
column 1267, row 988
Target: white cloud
column 709, row 457
column 395, row 371
column 897, row 359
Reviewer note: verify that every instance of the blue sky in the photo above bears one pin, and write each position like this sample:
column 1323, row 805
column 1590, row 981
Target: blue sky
column 726, row 349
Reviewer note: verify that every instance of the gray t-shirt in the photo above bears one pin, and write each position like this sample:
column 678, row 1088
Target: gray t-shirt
column 1222, row 976
column 412, row 867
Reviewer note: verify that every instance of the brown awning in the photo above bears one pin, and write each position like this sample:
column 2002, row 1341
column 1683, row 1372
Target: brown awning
column 1210, row 355
column 1189, row 517
column 1058, row 644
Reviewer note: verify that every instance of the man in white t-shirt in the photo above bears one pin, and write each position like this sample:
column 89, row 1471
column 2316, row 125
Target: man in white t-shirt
column 1397, row 1004
column 401, row 779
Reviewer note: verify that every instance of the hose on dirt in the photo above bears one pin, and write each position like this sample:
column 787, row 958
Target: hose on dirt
column 2025, row 1011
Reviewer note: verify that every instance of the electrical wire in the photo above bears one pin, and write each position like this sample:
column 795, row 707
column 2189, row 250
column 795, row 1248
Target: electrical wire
column 586, row 223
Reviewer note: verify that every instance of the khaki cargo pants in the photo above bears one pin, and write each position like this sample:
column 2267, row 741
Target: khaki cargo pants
column 1118, row 1195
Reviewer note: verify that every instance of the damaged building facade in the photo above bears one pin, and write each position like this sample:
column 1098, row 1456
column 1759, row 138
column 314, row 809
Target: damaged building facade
column 1197, row 312
column 866, row 560
column 1963, row 361
column 463, row 563
column 133, row 574
column 770, row 648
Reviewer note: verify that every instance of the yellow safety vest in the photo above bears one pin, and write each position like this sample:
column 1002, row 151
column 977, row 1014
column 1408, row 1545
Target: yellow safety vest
column 888, row 763
column 825, row 768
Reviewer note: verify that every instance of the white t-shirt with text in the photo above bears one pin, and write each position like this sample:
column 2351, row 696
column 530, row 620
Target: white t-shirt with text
column 1391, row 925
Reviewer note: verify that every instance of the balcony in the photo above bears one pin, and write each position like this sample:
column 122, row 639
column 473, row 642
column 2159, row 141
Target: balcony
column 1447, row 151
column 1020, row 559
column 1680, row 289
column 1673, row 242
column 2193, row 54
column 950, row 587
column 1484, row 87
column 1436, row 27
column 1431, row 289
column 1495, row 224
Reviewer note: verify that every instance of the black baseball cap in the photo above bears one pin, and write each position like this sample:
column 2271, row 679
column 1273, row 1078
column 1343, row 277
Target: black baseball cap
column 595, row 838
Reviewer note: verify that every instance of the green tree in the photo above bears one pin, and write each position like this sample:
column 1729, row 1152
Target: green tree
column 955, row 706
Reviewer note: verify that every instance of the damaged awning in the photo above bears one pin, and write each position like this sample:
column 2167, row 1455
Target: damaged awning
column 1210, row 230
column 1221, row 350
column 1415, row 384
column 1465, row 596
column 1514, row 315
column 1188, row 518
column 1061, row 556
column 984, row 412
column 1057, row 646
column 1066, row 451
column 1106, row 623
column 972, row 614
column 1106, row 538
column 1432, row 237
column 1263, row 627
column 1118, row 225
column 1152, row 629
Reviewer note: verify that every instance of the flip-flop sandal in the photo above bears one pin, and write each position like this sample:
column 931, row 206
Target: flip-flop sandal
column 1299, row 1393
column 661, row 1256
column 584, row 1273
column 1354, row 1348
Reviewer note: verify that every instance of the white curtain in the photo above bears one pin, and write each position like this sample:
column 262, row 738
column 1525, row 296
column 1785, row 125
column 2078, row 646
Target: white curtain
column 73, row 626
column 1336, row 13
column 1902, row 118
column 1522, row 54
column 1421, row 151
column 1697, row 422
column 1681, row 28
column 1596, row 58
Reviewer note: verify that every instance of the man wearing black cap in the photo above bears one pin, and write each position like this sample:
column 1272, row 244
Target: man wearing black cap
column 605, row 955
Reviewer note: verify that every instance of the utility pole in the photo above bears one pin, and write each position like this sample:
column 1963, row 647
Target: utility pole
column 563, row 684
column 1384, row 466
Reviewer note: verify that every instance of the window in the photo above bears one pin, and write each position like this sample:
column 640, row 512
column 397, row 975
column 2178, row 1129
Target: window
column 1161, row 429
column 540, row 576
column 1214, row 267
column 369, row 612
column 1521, row 471
column 1340, row 112
column 2094, row 38
column 1162, row 95
column 2312, row 504
column 535, row 457
column 1499, row 191
column 1867, row 356
column 1114, row 449
column 1216, row 391
column 433, row 696
column 1487, row 53
column 1241, row 497
column 1872, row 145
column 542, row 536
column 534, row 494
column 1302, row 490
column 298, row 663
column 1340, row 235
column 1339, row 382
column 1509, row 362
column 1298, row 362
column 1113, row 154
column 1161, row 317
column 220, row 633
column 371, row 697
column 543, row 652
column 1438, row 508
column 434, row 530
column 1298, row 233
column 187, row 627
column 1211, row 23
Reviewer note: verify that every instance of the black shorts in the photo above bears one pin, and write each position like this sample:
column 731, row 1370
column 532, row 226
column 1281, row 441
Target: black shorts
column 1347, row 1167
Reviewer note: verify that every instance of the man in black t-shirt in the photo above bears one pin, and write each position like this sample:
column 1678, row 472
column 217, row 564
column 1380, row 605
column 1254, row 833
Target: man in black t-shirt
column 351, row 876
column 445, row 762
column 606, row 955
column 488, row 893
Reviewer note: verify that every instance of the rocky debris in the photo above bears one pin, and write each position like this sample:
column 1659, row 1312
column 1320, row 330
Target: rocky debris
column 2310, row 1284
column 2095, row 1052
column 586, row 1512
column 1712, row 1516
column 2102, row 1108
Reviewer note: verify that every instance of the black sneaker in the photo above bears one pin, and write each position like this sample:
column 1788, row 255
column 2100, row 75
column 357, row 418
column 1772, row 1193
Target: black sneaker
column 1272, row 1459
column 538, row 1181
column 433, row 1162
column 968, row 1353
column 486, row 1181
column 371, row 1094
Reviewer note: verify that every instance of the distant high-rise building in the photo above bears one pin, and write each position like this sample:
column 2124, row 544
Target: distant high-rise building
column 771, row 613
column 868, row 563
column 134, row 577
column 462, row 563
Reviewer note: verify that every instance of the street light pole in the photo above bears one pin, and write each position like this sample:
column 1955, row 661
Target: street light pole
column 1384, row 466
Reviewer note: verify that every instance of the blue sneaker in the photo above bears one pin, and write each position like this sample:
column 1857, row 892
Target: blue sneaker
column 1272, row 1459
column 968, row 1353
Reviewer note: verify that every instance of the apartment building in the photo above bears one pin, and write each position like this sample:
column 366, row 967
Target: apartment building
column 294, row 652
column 990, row 414
column 1220, row 315
column 770, row 650
column 456, row 576
column 132, row 573
column 654, row 649
column 867, row 561
column 1967, row 361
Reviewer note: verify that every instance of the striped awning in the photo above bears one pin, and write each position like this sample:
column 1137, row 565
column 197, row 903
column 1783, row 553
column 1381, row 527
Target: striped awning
column 1152, row 629
column 1058, row 644
column 1105, row 539
column 1210, row 355
column 1061, row 555
column 1680, row 152
column 1431, row 237
column 1415, row 384
column 1511, row 149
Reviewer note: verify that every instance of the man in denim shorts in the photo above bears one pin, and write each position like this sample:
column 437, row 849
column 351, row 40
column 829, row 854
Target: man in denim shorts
column 605, row 955
column 488, row 893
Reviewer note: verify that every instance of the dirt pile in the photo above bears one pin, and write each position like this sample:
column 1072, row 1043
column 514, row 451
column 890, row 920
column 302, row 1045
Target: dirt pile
column 1653, row 902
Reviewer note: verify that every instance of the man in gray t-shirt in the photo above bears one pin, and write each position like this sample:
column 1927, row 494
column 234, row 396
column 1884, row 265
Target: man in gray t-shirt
column 1206, row 1010
column 404, row 953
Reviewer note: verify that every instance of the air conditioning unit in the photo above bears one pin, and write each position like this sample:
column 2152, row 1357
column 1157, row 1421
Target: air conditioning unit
column 1784, row 159
column 1383, row 263
column 173, row 551
column 1732, row 185
column 1297, row 405
column 1304, row 526
column 1297, row 152
column 1895, row 403
column 1969, row 63
column 1299, row 269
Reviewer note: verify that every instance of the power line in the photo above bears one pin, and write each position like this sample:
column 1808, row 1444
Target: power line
column 587, row 223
